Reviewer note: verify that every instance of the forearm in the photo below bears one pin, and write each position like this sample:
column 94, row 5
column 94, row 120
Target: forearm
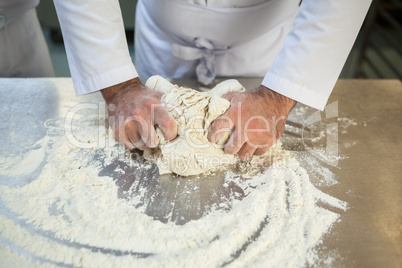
column 309, row 64
column 282, row 103
column 109, row 93
column 95, row 42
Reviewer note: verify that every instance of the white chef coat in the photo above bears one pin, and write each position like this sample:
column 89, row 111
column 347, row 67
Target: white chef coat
column 226, row 3
column 216, row 41
column 310, row 46
column 23, row 50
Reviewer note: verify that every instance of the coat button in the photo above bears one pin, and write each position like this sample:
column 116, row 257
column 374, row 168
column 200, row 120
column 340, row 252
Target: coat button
column 2, row 21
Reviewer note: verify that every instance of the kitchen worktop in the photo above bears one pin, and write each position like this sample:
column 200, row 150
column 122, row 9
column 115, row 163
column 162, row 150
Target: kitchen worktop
column 365, row 157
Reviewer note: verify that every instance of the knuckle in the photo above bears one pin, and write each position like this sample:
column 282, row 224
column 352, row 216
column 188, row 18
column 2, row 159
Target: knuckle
column 129, row 124
column 169, row 124
column 150, row 103
column 231, row 113
column 137, row 111
column 230, row 150
column 222, row 123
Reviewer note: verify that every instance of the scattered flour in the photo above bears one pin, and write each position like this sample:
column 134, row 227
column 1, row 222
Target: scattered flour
column 72, row 216
column 23, row 164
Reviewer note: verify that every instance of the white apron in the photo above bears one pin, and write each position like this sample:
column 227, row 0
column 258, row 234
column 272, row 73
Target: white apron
column 178, row 39
column 23, row 50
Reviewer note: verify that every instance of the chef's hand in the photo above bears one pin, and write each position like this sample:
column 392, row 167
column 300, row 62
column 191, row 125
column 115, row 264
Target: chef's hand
column 134, row 111
column 255, row 121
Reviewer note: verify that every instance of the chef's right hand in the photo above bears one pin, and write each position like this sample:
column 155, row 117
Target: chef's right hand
column 134, row 112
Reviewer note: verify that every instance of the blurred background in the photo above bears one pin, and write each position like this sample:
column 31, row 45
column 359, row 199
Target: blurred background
column 377, row 52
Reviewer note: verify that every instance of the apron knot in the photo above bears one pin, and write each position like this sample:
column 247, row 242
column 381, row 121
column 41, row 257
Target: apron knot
column 204, row 51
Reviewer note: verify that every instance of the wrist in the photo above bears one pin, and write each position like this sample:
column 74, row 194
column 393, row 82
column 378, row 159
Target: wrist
column 286, row 104
column 111, row 92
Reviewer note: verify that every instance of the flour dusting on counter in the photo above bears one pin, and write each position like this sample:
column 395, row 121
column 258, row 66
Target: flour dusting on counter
column 78, row 211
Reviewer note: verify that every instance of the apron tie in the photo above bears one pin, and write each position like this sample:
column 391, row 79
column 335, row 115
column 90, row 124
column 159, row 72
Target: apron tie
column 204, row 51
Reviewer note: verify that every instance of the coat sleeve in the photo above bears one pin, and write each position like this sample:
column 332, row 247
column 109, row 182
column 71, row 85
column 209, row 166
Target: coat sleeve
column 315, row 50
column 96, row 46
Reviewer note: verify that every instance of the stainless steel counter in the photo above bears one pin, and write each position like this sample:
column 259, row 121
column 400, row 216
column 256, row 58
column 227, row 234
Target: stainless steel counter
column 367, row 113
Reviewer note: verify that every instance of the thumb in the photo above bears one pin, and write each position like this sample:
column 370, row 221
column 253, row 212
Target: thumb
column 228, row 96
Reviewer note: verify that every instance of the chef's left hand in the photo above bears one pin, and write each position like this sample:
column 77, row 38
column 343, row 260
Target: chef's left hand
column 255, row 121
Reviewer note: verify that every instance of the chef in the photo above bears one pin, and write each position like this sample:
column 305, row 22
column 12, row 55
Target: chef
column 23, row 50
column 299, row 49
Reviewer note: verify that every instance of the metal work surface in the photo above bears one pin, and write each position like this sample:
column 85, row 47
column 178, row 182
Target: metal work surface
column 367, row 163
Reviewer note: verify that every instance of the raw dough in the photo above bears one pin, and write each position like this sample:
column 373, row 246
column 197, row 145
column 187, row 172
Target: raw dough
column 190, row 153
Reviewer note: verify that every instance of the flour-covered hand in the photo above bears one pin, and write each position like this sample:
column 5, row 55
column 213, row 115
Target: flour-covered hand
column 134, row 112
column 255, row 121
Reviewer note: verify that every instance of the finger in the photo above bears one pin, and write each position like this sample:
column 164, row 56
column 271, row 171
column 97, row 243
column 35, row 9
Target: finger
column 261, row 151
column 147, row 132
column 118, row 127
column 246, row 152
column 235, row 141
column 220, row 130
column 130, row 131
column 129, row 140
column 123, row 139
column 133, row 137
column 121, row 128
column 139, row 144
column 166, row 123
